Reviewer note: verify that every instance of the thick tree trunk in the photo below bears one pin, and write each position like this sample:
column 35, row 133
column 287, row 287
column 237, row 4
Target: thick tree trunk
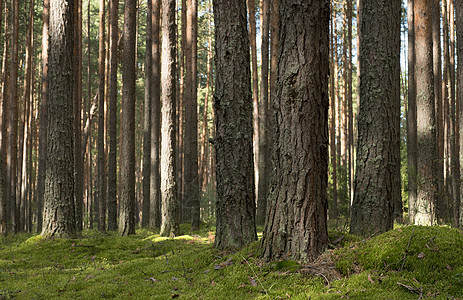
column 127, row 158
column 169, row 206
column 59, row 213
column 235, row 210
column 155, row 179
column 147, row 121
column 191, row 178
column 427, row 145
column 297, row 227
column 112, row 151
column 377, row 180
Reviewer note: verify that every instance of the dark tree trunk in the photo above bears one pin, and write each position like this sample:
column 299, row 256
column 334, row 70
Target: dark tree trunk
column 191, row 178
column 264, row 154
column 155, row 179
column 147, row 121
column 411, row 117
column 457, row 209
column 4, row 213
column 169, row 205
column 377, row 181
column 127, row 160
column 427, row 145
column 235, row 206
column 296, row 227
column 59, row 213
column 112, row 153
column 78, row 159
column 101, row 122
column 12, row 155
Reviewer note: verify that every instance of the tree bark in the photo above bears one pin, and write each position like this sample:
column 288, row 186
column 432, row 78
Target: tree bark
column 264, row 154
column 59, row 213
column 377, row 180
column 112, row 151
column 127, row 158
column 235, row 206
column 101, row 121
column 427, row 147
column 169, row 206
column 191, row 178
column 147, row 121
column 155, row 180
column 458, row 211
column 296, row 228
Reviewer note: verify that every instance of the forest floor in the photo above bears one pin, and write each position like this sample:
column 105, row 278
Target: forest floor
column 409, row 262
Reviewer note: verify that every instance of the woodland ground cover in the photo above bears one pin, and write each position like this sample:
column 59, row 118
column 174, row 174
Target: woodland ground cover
column 409, row 262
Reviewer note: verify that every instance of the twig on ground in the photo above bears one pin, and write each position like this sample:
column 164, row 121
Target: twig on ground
column 255, row 275
column 406, row 250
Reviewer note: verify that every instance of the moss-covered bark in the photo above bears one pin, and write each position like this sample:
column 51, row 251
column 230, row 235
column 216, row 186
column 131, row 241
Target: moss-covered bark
column 296, row 227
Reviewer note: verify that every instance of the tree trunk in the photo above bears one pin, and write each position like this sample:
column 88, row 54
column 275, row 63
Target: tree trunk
column 427, row 148
column 297, row 227
column 59, row 213
column 255, row 89
column 264, row 154
column 377, row 181
column 147, row 121
column 191, row 178
column 457, row 209
column 411, row 117
column 169, row 205
column 235, row 205
column 155, row 180
column 101, row 121
column 127, row 159
column 334, row 209
column 12, row 155
column 183, row 213
column 112, row 151
column 4, row 205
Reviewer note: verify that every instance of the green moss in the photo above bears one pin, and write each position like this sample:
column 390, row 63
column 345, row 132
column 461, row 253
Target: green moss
column 146, row 266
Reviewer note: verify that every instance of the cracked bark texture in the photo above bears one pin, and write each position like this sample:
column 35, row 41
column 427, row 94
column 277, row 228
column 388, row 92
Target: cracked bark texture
column 235, row 208
column 296, row 227
column 377, row 180
column 59, row 212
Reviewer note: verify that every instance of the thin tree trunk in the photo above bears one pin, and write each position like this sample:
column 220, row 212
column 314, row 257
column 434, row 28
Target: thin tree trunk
column 411, row 117
column 438, row 97
column 147, row 120
column 101, row 121
column 454, row 154
column 112, row 155
column 155, row 180
column 127, row 159
column 427, row 145
column 457, row 209
column 255, row 89
column 263, row 159
column 441, row 202
column 169, row 205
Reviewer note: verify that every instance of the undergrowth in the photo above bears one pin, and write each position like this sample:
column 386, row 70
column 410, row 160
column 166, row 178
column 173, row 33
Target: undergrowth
column 406, row 263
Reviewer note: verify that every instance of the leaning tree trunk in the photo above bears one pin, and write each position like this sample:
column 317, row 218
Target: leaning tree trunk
column 59, row 212
column 235, row 210
column 377, row 180
column 127, row 183
column 169, row 205
column 296, row 227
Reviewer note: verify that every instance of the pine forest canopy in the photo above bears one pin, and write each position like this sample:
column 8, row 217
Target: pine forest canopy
column 152, row 113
